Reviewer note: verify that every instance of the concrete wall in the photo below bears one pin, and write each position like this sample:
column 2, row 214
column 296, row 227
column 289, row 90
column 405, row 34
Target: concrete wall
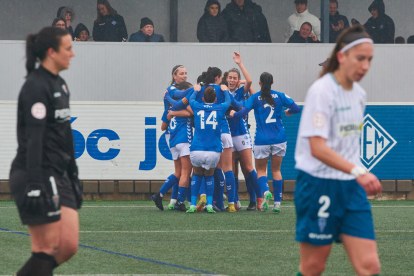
column 20, row 17
column 141, row 72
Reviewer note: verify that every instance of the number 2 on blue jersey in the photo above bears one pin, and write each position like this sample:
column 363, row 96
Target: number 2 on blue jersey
column 211, row 120
column 269, row 118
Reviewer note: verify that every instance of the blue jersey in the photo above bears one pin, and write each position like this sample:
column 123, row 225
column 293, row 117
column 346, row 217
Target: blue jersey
column 208, row 120
column 238, row 126
column 180, row 128
column 220, row 99
column 166, row 107
column 269, row 126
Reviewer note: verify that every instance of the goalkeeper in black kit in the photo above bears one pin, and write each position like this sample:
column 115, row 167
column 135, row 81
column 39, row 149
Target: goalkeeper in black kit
column 44, row 175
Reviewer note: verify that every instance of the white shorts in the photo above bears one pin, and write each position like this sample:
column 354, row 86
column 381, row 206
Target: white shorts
column 205, row 159
column 261, row 152
column 242, row 142
column 167, row 139
column 226, row 140
column 180, row 150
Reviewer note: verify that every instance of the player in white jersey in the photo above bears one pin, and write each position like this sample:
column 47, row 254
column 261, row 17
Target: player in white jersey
column 332, row 186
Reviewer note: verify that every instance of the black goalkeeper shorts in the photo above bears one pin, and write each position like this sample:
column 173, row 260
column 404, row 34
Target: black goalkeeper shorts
column 66, row 196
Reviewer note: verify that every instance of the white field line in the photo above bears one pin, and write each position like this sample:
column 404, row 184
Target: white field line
column 206, row 231
column 135, row 275
column 138, row 206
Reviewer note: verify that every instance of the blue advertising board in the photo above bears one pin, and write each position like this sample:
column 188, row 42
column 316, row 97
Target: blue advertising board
column 387, row 142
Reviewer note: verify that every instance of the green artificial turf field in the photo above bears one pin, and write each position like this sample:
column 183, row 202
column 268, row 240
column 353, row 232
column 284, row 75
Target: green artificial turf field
column 134, row 237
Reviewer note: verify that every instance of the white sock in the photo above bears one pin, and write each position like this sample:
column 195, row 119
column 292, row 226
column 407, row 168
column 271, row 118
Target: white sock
column 173, row 201
column 161, row 195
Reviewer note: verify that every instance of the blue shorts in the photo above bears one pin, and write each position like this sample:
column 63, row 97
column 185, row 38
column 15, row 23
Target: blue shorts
column 326, row 208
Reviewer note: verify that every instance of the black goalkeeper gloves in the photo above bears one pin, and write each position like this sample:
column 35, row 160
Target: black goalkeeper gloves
column 36, row 199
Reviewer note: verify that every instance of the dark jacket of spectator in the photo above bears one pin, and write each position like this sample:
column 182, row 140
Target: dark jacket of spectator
column 111, row 28
column 141, row 37
column 382, row 28
column 248, row 24
column 79, row 28
column 212, row 28
column 333, row 20
column 297, row 38
column 62, row 11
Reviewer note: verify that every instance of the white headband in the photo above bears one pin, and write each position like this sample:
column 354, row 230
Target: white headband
column 177, row 69
column 356, row 42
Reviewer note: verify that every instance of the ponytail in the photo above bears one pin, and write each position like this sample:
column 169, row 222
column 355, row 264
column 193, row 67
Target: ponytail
column 31, row 53
column 38, row 44
column 267, row 79
column 212, row 73
column 348, row 36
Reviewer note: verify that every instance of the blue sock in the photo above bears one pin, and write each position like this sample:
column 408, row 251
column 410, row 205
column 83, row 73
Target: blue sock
column 174, row 193
column 255, row 184
column 195, row 183
column 189, row 191
column 168, row 184
column 202, row 187
column 277, row 190
column 182, row 193
column 219, row 179
column 230, row 186
column 209, row 189
column 236, row 191
column 250, row 190
column 264, row 187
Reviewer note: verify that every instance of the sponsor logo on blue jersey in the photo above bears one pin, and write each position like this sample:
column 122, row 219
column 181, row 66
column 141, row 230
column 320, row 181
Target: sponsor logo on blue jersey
column 376, row 142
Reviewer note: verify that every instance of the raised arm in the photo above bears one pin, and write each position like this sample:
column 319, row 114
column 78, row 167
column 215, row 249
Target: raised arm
column 248, row 78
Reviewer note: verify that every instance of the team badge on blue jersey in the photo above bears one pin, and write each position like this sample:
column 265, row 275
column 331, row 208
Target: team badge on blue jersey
column 376, row 142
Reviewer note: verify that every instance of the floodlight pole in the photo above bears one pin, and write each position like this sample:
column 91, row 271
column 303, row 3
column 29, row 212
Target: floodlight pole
column 325, row 21
column 173, row 20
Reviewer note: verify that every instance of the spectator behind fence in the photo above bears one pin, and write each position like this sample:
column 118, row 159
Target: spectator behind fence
column 212, row 27
column 68, row 14
column 337, row 22
column 146, row 34
column 81, row 33
column 410, row 40
column 305, row 35
column 59, row 22
column 399, row 40
column 246, row 22
column 301, row 16
column 109, row 25
column 380, row 26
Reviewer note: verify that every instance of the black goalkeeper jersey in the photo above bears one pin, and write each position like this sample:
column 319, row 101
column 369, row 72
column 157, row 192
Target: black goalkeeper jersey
column 44, row 133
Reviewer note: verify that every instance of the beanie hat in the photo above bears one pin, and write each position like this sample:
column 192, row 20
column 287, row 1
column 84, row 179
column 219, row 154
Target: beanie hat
column 146, row 21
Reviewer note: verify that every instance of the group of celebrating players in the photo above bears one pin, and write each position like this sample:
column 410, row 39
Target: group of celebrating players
column 331, row 189
column 217, row 108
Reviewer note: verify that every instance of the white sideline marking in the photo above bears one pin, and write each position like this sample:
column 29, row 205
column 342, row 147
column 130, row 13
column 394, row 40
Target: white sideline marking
column 137, row 206
column 134, row 275
column 209, row 231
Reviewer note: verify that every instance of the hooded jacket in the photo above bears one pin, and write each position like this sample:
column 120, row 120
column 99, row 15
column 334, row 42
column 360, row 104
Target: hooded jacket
column 297, row 19
column 212, row 28
column 382, row 28
column 63, row 12
column 79, row 28
column 111, row 28
column 297, row 38
column 333, row 20
column 248, row 24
